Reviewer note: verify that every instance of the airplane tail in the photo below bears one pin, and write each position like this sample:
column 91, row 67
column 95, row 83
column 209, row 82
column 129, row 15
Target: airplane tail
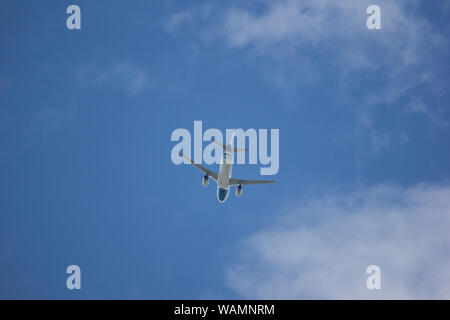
column 228, row 147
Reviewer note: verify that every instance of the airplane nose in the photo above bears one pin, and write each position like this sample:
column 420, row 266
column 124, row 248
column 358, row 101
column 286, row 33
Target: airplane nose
column 222, row 194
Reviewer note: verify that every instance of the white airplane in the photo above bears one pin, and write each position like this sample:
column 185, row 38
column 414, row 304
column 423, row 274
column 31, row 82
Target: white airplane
column 223, row 179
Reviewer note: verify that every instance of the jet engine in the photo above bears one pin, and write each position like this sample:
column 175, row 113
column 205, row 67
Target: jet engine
column 205, row 181
column 239, row 191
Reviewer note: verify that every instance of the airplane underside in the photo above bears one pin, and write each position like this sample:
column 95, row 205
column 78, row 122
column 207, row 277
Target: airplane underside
column 222, row 194
column 223, row 178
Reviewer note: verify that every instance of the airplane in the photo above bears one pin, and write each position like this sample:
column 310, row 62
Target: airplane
column 223, row 179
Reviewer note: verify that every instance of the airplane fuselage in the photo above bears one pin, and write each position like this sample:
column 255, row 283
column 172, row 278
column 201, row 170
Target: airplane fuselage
column 223, row 180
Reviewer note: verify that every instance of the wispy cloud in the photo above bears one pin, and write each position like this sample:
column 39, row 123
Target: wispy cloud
column 294, row 31
column 51, row 115
column 310, row 44
column 121, row 76
column 126, row 76
column 291, row 22
column 435, row 115
column 178, row 19
column 321, row 249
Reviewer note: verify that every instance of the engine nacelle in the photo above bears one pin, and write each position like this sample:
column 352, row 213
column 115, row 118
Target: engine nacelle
column 239, row 191
column 205, row 181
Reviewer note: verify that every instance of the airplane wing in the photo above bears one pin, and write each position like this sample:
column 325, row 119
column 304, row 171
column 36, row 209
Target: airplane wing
column 210, row 173
column 236, row 182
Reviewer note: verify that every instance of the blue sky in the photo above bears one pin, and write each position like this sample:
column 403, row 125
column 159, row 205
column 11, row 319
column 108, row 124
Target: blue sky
column 86, row 175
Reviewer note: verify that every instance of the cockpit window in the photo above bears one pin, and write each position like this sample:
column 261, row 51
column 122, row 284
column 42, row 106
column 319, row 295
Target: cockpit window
column 222, row 193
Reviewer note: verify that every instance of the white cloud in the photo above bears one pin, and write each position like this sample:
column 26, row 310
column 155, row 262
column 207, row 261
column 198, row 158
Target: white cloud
column 322, row 249
column 284, row 21
column 124, row 75
column 305, row 46
column 318, row 39
column 337, row 28
column 290, row 21
column 435, row 115
column 303, row 22
column 181, row 19
column 178, row 19
column 328, row 38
